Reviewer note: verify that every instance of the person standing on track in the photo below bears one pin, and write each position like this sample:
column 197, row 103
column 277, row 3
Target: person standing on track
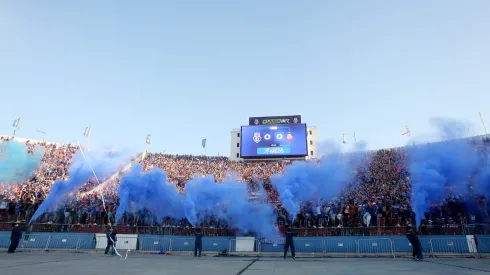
column 415, row 242
column 198, row 242
column 14, row 238
column 289, row 243
column 111, row 241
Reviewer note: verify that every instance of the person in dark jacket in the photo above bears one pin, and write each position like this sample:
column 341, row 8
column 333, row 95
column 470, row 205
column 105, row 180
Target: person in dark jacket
column 198, row 242
column 289, row 243
column 111, row 240
column 415, row 242
column 14, row 238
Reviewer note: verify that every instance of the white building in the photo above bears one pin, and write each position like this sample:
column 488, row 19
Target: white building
column 312, row 140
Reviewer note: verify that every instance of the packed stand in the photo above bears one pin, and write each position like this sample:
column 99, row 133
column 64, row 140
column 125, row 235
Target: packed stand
column 379, row 197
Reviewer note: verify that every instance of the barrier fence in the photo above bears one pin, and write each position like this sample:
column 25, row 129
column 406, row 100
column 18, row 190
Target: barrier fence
column 378, row 231
column 155, row 244
column 63, row 242
column 471, row 246
column 375, row 247
column 482, row 245
column 124, row 243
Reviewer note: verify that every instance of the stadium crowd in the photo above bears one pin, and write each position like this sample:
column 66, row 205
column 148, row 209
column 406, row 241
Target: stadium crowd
column 379, row 197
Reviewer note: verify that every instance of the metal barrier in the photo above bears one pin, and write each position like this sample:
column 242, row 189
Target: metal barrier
column 444, row 247
column 482, row 246
column 341, row 247
column 309, row 247
column 123, row 243
column 155, row 244
column 33, row 242
column 403, row 248
column 63, row 242
column 184, row 245
column 304, row 247
column 375, row 247
column 4, row 241
column 252, row 247
column 467, row 229
column 271, row 246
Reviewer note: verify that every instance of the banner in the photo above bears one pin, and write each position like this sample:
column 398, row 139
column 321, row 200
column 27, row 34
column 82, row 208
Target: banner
column 203, row 143
column 148, row 139
column 274, row 120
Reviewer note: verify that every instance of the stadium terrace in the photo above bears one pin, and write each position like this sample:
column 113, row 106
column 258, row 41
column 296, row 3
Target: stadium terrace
column 378, row 202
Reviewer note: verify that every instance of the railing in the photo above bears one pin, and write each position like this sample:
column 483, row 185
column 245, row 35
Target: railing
column 478, row 229
column 42, row 242
column 63, row 242
column 155, row 244
column 123, row 243
column 475, row 247
column 482, row 247
column 377, row 247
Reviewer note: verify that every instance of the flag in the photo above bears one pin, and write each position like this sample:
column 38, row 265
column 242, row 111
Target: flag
column 203, row 143
column 87, row 132
column 16, row 123
column 148, row 139
column 407, row 132
column 344, row 139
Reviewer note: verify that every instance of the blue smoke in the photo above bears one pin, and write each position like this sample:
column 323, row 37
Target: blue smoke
column 104, row 165
column 230, row 202
column 149, row 191
column 304, row 181
column 16, row 164
column 437, row 166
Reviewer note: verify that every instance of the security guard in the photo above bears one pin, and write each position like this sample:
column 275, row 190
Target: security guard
column 14, row 238
column 415, row 242
column 289, row 243
column 198, row 242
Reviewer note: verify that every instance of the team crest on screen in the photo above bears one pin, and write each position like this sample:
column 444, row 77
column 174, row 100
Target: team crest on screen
column 289, row 137
column 257, row 137
column 295, row 120
column 256, row 122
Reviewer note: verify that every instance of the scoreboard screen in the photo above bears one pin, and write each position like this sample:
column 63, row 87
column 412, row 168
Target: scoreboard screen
column 282, row 140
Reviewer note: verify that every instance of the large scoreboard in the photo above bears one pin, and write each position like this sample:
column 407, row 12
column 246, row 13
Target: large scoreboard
column 274, row 140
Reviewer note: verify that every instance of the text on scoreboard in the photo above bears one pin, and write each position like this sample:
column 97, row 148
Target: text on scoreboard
column 284, row 140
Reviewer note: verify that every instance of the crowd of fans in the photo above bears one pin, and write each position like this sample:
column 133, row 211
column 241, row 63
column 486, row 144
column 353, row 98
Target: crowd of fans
column 380, row 195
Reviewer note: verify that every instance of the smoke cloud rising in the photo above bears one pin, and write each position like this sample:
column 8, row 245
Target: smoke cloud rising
column 104, row 164
column 228, row 200
column 435, row 167
column 16, row 164
column 304, row 181
column 149, row 191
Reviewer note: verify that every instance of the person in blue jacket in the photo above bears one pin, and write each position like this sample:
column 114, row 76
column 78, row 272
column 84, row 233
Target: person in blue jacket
column 198, row 242
column 415, row 242
column 111, row 240
column 14, row 238
column 289, row 243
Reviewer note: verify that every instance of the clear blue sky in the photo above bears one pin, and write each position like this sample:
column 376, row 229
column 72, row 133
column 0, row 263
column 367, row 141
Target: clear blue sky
column 185, row 70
